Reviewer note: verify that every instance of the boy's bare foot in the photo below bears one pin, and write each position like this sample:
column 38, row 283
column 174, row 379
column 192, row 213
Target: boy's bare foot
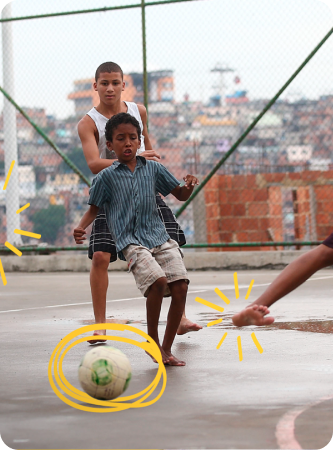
column 165, row 357
column 253, row 315
column 186, row 326
column 173, row 361
column 98, row 333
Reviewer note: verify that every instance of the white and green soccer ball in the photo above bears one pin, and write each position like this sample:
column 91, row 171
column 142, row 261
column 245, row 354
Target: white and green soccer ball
column 105, row 372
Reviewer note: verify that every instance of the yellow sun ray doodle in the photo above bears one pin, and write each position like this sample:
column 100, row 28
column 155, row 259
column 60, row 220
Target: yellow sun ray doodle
column 222, row 296
column 236, row 285
column 249, row 290
column 23, row 208
column 27, row 233
column 209, row 304
column 8, row 175
column 13, row 249
column 239, row 348
column 255, row 340
column 220, row 343
column 2, row 272
column 219, row 308
column 214, row 322
column 22, row 232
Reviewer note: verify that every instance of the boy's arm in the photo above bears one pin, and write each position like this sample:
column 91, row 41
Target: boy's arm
column 184, row 192
column 87, row 219
column 86, row 129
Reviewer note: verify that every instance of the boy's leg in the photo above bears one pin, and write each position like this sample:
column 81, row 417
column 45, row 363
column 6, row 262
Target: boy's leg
column 102, row 251
column 151, row 281
column 176, row 233
column 186, row 325
column 99, row 282
column 289, row 279
column 153, row 305
column 169, row 258
column 178, row 291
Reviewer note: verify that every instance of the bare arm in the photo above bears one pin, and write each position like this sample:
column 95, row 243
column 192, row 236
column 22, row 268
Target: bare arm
column 87, row 219
column 87, row 133
column 149, row 153
column 184, row 192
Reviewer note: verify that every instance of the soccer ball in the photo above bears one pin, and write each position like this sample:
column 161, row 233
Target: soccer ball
column 105, row 372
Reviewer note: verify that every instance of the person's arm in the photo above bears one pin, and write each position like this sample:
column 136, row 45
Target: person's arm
column 149, row 153
column 182, row 193
column 86, row 129
column 80, row 231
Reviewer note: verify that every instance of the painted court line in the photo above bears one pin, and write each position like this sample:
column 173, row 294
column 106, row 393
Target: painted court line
column 137, row 298
column 285, row 428
column 78, row 304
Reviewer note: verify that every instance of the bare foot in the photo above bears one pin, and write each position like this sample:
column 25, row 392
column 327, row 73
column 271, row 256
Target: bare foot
column 186, row 326
column 173, row 361
column 98, row 333
column 253, row 315
column 165, row 357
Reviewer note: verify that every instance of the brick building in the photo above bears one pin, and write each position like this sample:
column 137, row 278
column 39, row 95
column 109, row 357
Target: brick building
column 269, row 207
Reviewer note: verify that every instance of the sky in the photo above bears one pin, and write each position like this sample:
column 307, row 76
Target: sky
column 264, row 41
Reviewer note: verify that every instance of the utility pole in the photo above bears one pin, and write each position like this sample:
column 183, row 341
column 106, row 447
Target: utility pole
column 10, row 141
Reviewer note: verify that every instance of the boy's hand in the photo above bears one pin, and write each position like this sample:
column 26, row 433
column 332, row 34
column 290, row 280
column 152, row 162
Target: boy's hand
column 79, row 235
column 151, row 155
column 190, row 181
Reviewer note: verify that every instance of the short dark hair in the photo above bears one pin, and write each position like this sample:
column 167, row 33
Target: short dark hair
column 108, row 67
column 117, row 120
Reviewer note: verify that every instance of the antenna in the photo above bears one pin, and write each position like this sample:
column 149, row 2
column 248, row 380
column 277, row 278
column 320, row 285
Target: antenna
column 219, row 95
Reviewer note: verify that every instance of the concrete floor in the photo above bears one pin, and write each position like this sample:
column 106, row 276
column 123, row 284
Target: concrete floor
column 282, row 398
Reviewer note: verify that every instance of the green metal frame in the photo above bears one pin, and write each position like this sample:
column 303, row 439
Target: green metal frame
column 87, row 11
column 45, row 137
column 143, row 5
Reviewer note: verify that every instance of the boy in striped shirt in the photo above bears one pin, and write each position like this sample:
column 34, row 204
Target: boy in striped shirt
column 127, row 190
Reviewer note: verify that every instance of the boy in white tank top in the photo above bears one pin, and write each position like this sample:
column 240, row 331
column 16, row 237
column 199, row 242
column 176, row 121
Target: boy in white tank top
column 109, row 84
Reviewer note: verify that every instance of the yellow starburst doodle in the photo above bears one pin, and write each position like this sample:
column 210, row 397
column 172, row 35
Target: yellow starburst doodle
column 22, row 232
column 221, row 309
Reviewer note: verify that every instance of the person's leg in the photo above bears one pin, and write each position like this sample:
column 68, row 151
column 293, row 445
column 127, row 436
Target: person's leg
column 289, row 279
column 176, row 233
column 178, row 291
column 153, row 305
column 102, row 251
column 151, row 281
column 99, row 282
column 186, row 325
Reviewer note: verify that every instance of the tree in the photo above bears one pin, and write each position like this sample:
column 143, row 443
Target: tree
column 48, row 221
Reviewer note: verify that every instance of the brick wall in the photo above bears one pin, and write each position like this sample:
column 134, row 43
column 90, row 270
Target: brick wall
column 256, row 208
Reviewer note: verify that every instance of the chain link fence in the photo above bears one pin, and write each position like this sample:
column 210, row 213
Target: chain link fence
column 212, row 67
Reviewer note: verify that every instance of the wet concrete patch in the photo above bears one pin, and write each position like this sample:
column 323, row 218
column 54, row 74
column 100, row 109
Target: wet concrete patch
column 312, row 325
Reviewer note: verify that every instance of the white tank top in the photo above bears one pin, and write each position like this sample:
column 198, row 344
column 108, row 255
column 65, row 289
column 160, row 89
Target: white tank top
column 100, row 122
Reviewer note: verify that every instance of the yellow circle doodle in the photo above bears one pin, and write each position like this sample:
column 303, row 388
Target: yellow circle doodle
column 118, row 404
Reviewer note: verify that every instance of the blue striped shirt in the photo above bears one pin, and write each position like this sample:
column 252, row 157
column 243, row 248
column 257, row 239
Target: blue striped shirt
column 130, row 204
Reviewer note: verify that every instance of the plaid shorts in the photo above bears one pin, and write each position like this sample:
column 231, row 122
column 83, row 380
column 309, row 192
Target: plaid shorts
column 329, row 241
column 148, row 265
column 102, row 241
